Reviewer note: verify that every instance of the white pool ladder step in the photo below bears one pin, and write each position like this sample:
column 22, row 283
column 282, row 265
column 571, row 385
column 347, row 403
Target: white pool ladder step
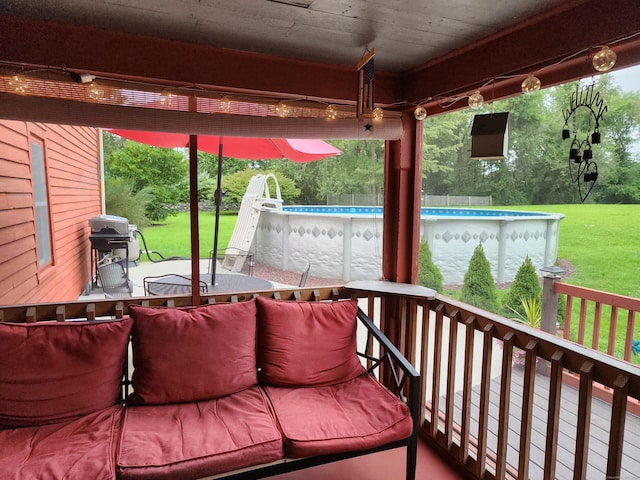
column 256, row 198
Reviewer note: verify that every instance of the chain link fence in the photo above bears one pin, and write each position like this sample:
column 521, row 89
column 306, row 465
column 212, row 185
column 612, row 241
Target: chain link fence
column 427, row 200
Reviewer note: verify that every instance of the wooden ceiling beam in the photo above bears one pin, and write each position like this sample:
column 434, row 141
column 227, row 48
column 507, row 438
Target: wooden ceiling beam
column 166, row 62
column 529, row 46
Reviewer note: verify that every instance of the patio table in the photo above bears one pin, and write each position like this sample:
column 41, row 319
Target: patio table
column 181, row 284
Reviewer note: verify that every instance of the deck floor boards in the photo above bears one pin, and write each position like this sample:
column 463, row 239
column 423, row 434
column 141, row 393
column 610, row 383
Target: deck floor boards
column 598, row 435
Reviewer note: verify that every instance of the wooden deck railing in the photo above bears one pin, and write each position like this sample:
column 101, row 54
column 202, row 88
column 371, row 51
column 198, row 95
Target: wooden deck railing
column 482, row 411
column 593, row 323
column 488, row 414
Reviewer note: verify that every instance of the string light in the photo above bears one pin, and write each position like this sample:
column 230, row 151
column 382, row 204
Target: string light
column 167, row 98
column 282, row 110
column 530, row 84
column 476, row 99
column 377, row 114
column 225, row 104
column 332, row 113
column 19, row 84
column 604, row 60
column 94, row 92
column 420, row 113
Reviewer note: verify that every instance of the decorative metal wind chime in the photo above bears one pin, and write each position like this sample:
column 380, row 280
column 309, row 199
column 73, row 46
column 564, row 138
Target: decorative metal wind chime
column 585, row 111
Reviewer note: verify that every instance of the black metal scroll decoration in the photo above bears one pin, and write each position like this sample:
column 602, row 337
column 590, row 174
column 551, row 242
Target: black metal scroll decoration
column 582, row 168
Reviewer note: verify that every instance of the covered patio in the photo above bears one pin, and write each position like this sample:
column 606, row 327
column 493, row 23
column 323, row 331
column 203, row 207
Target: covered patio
column 276, row 67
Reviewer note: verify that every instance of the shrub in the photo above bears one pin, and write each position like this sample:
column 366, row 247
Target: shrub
column 429, row 274
column 525, row 287
column 532, row 312
column 235, row 185
column 163, row 203
column 479, row 288
column 121, row 201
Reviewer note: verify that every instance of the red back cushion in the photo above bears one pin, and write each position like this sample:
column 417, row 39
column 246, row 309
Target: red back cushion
column 307, row 343
column 197, row 353
column 53, row 372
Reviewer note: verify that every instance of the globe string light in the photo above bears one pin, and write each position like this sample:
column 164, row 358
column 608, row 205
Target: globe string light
column 420, row 113
column 331, row 112
column 19, row 84
column 377, row 114
column 282, row 110
column 530, row 84
column 603, row 60
column 476, row 100
column 224, row 105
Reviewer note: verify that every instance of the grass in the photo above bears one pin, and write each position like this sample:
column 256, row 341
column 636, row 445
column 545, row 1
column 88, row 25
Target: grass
column 172, row 238
column 603, row 244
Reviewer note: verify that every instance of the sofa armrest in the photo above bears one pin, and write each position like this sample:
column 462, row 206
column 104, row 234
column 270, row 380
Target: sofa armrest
column 393, row 370
column 398, row 374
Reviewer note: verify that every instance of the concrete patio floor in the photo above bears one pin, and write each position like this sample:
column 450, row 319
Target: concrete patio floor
column 138, row 271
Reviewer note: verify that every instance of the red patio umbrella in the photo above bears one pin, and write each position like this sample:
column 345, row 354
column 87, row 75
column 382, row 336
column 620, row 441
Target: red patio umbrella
column 246, row 148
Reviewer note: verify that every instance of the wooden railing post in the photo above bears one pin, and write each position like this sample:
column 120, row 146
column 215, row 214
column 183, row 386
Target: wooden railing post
column 549, row 313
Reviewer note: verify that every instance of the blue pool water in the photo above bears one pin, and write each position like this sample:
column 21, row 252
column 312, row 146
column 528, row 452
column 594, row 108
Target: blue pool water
column 424, row 212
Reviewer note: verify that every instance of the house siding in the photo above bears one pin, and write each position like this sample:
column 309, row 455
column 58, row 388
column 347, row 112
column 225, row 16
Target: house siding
column 72, row 159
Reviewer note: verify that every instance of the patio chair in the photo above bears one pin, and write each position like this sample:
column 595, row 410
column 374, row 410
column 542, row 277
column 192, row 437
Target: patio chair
column 114, row 279
column 170, row 284
column 234, row 260
column 305, row 274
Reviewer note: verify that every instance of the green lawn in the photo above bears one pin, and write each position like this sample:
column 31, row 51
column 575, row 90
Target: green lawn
column 603, row 244
column 173, row 237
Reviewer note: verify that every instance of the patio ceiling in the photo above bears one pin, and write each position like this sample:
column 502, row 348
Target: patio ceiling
column 309, row 48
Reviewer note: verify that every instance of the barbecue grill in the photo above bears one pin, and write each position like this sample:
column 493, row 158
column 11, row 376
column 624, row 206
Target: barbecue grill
column 109, row 233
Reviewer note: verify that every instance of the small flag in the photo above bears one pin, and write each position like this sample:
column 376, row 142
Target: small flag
column 369, row 71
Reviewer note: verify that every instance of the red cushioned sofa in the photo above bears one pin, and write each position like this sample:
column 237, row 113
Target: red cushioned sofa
column 240, row 390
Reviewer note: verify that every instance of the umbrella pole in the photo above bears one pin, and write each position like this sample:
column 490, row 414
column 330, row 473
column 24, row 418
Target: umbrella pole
column 218, row 203
column 193, row 212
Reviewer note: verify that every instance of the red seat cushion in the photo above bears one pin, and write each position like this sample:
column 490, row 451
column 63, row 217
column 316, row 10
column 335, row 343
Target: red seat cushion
column 52, row 372
column 349, row 416
column 307, row 343
column 192, row 440
column 79, row 449
column 197, row 353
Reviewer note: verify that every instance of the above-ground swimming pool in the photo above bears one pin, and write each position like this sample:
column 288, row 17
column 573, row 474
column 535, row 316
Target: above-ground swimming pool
column 346, row 242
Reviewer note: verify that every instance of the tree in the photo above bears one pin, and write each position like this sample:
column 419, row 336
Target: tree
column 359, row 170
column 478, row 288
column 161, row 171
column 536, row 168
column 524, row 288
column 235, row 185
column 429, row 274
column 620, row 179
column 120, row 200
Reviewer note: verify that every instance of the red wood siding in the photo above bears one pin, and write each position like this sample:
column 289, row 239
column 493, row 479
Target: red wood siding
column 73, row 174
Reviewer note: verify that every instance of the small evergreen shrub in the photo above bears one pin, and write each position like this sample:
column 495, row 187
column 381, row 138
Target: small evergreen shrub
column 429, row 274
column 478, row 288
column 524, row 288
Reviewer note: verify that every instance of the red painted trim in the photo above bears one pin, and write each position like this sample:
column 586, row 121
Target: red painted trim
column 167, row 62
column 527, row 47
